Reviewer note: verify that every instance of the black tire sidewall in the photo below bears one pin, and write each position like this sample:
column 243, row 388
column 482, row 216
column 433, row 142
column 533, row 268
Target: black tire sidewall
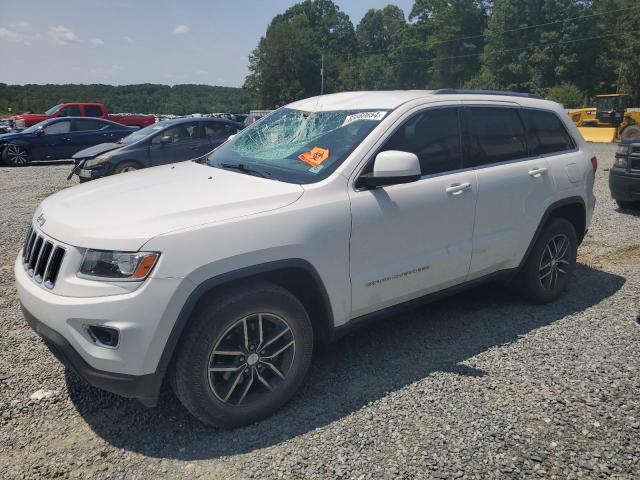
column 529, row 281
column 120, row 166
column 206, row 327
column 5, row 156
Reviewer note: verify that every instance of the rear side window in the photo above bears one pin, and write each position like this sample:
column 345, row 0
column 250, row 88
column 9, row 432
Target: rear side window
column 434, row 136
column 87, row 125
column 545, row 132
column 493, row 134
column 92, row 111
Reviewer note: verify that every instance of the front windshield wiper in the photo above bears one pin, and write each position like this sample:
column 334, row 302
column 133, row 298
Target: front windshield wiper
column 241, row 167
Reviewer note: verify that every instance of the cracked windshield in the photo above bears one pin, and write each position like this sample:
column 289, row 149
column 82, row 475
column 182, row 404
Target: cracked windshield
column 297, row 146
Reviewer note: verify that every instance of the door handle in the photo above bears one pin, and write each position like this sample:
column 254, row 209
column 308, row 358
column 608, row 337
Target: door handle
column 458, row 188
column 537, row 172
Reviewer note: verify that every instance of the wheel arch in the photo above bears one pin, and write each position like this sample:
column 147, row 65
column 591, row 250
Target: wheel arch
column 572, row 209
column 296, row 275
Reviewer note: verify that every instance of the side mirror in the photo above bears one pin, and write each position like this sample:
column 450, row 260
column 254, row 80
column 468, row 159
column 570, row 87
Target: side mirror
column 390, row 168
column 40, row 131
column 166, row 139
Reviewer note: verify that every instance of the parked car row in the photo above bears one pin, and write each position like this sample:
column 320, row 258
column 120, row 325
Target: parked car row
column 102, row 147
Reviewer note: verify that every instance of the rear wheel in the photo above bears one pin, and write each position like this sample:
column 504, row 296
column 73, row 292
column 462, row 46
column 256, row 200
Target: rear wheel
column 547, row 270
column 244, row 355
column 124, row 167
column 15, row 155
column 630, row 131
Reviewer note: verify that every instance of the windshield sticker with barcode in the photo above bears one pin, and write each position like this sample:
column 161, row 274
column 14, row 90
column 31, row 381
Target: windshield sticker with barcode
column 375, row 116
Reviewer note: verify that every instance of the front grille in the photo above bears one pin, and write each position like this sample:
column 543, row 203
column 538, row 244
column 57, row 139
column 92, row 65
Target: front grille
column 42, row 258
column 634, row 163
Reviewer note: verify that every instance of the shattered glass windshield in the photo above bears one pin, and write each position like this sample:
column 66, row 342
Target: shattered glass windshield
column 297, row 146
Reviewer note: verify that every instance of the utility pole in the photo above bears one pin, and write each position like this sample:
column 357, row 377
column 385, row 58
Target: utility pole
column 322, row 74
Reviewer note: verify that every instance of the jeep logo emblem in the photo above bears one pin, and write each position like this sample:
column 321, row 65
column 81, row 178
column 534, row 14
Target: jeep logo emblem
column 40, row 220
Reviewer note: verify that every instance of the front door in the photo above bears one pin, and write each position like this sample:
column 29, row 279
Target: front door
column 412, row 239
column 55, row 142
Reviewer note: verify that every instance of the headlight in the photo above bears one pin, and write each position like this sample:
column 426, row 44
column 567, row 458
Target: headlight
column 620, row 162
column 624, row 149
column 117, row 266
column 99, row 160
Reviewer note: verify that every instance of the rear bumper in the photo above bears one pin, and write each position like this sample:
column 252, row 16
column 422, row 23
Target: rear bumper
column 145, row 388
column 624, row 185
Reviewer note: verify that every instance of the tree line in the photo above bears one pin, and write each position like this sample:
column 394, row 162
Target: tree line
column 566, row 50
column 144, row 98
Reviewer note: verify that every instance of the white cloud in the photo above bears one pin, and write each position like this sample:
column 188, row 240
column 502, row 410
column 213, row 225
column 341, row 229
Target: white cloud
column 202, row 72
column 62, row 35
column 127, row 38
column 20, row 24
column 181, row 29
column 12, row 36
column 97, row 41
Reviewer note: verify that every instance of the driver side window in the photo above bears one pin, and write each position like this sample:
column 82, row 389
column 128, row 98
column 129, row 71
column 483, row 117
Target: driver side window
column 58, row 127
column 70, row 111
column 179, row 133
column 434, row 136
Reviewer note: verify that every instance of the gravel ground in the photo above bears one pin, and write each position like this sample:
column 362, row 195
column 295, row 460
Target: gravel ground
column 481, row 385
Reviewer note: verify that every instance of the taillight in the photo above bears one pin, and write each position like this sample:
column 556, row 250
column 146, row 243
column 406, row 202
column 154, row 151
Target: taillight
column 594, row 164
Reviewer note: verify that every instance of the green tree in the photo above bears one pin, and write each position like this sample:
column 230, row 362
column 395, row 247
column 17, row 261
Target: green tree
column 567, row 94
column 452, row 32
column 286, row 64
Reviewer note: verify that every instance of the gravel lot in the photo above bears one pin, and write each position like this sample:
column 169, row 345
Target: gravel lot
column 481, row 385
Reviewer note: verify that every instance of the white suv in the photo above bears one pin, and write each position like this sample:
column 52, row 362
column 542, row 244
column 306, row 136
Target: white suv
column 220, row 274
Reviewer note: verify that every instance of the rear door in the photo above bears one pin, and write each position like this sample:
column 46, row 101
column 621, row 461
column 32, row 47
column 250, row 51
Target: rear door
column 514, row 187
column 182, row 142
column 87, row 132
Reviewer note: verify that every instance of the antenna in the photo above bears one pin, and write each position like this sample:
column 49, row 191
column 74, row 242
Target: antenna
column 322, row 74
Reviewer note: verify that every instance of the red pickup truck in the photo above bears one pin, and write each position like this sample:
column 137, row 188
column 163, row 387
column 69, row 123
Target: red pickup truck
column 79, row 109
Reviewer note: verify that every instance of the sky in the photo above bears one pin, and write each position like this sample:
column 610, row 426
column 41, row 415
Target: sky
column 122, row 42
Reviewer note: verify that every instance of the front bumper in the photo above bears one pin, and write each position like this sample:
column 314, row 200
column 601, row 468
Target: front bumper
column 145, row 388
column 624, row 184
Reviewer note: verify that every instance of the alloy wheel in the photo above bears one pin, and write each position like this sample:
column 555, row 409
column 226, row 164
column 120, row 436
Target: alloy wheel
column 554, row 262
column 252, row 358
column 17, row 155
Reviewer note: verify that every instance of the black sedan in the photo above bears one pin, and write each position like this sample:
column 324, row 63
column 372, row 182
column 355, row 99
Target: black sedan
column 58, row 138
column 167, row 141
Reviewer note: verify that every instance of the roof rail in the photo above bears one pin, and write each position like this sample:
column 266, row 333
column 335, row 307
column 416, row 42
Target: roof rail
column 462, row 91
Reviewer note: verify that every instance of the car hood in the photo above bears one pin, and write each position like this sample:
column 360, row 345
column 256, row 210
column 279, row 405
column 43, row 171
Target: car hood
column 96, row 150
column 124, row 211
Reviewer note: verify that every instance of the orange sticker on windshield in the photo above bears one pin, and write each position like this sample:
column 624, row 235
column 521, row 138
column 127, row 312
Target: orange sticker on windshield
column 315, row 157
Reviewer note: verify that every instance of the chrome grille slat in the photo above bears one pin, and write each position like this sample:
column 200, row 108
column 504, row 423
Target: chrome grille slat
column 37, row 245
column 42, row 258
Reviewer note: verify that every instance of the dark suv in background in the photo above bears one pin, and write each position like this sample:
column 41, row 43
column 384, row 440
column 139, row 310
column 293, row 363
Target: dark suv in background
column 624, row 177
column 168, row 141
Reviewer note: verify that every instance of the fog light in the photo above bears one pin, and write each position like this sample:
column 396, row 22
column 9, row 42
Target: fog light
column 104, row 336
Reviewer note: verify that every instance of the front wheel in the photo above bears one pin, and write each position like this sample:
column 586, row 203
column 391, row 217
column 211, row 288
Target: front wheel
column 243, row 356
column 124, row 167
column 552, row 260
column 15, row 155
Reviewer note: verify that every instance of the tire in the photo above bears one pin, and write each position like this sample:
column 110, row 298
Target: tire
column 542, row 279
column 124, row 167
column 15, row 155
column 630, row 131
column 626, row 205
column 235, row 394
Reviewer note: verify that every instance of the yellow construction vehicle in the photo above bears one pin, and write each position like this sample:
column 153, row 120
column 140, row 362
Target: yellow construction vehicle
column 610, row 120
